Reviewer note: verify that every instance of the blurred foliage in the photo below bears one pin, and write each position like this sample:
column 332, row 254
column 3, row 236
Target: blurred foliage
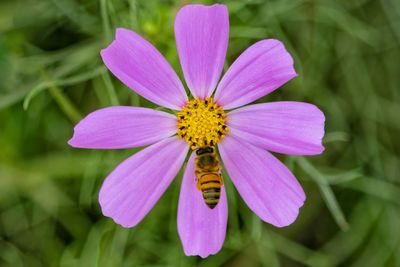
column 347, row 54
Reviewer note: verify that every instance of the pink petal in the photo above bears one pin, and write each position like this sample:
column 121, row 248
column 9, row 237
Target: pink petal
column 133, row 188
column 201, row 34
column 141, row 67
column 201, row 229
column 259, row 70
column 285, row 127
column 123, row 127
column 266, row 185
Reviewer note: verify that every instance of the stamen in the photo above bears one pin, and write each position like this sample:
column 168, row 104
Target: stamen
column 202, row 123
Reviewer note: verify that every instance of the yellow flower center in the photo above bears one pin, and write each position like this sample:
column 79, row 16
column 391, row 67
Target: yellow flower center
column 202, row 123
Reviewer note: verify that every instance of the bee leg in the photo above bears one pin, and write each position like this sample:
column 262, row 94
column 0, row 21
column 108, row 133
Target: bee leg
column 221, row 180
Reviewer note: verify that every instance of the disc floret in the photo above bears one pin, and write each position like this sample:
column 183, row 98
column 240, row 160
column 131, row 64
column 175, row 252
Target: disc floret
column 201, row 122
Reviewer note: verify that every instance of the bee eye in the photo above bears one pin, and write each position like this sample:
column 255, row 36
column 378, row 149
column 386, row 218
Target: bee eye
column 200, row 151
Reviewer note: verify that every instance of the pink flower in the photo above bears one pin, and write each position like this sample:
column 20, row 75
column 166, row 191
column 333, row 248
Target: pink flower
column 243, row 136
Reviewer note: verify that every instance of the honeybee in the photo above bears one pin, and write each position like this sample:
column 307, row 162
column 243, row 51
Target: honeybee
column 208, row 174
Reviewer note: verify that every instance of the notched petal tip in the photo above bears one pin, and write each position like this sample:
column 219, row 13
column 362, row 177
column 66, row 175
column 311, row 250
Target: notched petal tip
column 103, row 52
column 107, row 51
column 120, row 32
column 186, row 8
column 318, row 151
column 72, row 143
column 74, row 140
column 116, row 220
column 289, row 221
column 321, row 117
column 285, row 55
column 201, row 255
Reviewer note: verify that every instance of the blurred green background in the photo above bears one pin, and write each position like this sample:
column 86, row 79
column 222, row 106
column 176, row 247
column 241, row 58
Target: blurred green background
column 347, row 55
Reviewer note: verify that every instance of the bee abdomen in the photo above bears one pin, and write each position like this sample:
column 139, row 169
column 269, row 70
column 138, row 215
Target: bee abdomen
column 211, row 196
column 210, row 187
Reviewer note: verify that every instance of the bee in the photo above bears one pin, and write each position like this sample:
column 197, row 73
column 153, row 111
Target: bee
column 208, row 174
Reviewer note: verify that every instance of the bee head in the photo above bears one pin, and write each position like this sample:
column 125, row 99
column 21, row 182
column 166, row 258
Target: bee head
column 203, row 150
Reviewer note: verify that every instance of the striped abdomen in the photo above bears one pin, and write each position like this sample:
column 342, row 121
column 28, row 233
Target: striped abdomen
column 210, row 185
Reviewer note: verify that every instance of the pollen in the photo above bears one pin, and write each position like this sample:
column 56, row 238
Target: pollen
column 202, row 123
